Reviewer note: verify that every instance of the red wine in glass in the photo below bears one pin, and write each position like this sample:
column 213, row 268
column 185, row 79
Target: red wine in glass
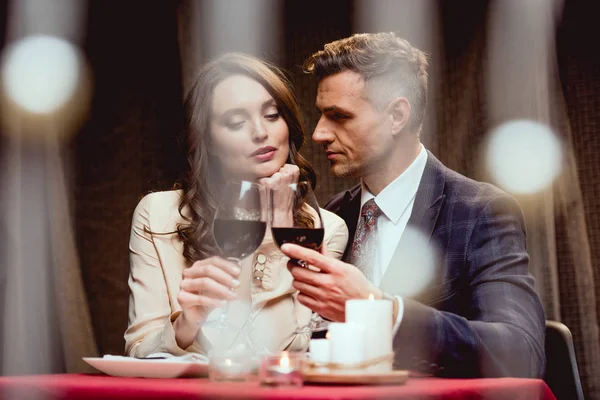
column 238, row 239
column 311, row 238
column 287, row 225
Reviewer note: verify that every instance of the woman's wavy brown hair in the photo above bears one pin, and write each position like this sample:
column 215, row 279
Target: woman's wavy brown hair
column 203, row 179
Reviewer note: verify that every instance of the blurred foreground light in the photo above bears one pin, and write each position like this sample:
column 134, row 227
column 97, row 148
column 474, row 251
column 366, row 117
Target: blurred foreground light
column 523, row 156
column 415, row 266
column 45, row 87
column 40, row 73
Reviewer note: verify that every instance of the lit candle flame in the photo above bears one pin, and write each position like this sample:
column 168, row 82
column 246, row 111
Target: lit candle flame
column 371, row 296
column 284, row 362
column 327, row 335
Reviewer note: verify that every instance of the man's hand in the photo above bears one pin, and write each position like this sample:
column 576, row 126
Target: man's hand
column 326, row 292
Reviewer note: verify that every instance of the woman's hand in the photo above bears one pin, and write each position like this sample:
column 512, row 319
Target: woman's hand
column 206, row 285
column 283, row 200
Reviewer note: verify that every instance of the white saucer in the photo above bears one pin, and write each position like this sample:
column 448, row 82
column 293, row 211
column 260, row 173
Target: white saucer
column 141, row 368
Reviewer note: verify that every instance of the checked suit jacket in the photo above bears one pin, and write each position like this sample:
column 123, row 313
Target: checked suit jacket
column 479, row 314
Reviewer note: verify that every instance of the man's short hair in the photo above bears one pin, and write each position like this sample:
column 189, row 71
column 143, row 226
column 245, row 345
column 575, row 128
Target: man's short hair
column 389, row 65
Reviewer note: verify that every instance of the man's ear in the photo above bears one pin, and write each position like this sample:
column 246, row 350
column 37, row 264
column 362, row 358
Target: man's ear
column 399, row 111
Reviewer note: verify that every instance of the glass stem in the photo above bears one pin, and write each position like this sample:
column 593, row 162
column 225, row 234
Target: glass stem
column 223, row 317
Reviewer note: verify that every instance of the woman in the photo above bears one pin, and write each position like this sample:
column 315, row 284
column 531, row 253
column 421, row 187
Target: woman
column 243, row 122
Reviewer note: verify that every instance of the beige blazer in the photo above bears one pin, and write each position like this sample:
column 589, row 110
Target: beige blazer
column 157, row 263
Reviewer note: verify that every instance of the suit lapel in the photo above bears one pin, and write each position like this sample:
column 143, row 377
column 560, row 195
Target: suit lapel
column 428, row 203
column 430, row 197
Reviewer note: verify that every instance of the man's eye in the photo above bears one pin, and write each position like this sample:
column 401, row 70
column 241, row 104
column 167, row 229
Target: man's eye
column 337, row 116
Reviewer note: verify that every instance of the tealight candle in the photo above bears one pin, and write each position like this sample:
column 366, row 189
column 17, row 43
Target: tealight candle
column 229, row 368
column 282, row 370
column 347, row 343
column 283, row 367
column 377, row 316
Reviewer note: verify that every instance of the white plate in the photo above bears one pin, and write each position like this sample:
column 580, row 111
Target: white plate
column 140, row 368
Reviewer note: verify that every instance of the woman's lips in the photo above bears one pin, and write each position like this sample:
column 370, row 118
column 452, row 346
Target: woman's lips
column 267, row 155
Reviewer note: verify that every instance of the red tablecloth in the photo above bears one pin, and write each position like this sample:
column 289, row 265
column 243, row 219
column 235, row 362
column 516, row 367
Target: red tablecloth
column 90, row 387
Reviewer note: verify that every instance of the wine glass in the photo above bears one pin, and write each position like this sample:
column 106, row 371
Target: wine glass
column 238, row 228
column 295, row 218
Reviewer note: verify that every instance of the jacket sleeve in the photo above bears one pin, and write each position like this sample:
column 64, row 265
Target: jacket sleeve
column 336, row 234
column 501, row 332
column 151, row 314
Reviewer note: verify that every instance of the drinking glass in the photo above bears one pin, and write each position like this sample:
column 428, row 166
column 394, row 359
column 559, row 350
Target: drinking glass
column 295, row 218
column 239, row 227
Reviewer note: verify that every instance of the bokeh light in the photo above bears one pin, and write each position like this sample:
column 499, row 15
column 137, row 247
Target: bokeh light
column 41, row 73
column 523, row 156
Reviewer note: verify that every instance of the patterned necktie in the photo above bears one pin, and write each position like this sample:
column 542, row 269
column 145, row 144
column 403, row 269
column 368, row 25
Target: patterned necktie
column 363, row 248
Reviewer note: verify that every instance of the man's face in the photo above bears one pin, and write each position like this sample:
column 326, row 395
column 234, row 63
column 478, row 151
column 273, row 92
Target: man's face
column 356, row 136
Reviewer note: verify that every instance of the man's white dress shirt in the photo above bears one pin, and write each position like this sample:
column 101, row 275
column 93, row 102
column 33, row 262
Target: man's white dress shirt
column 396, row 202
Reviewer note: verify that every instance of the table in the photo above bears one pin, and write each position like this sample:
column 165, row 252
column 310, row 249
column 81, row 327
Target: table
column 91, row 387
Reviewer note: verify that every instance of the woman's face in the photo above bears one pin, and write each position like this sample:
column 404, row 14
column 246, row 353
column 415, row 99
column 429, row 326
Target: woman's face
column 249, row 135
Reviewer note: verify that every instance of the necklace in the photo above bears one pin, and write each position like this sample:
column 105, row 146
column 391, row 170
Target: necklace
column 246, row 215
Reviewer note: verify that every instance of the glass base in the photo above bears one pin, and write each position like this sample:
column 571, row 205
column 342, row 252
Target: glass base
column 236, row 355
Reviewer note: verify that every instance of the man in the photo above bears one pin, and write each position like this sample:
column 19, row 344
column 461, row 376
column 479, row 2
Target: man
column 478, row 313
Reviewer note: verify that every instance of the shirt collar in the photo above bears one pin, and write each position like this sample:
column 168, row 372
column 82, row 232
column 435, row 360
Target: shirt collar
column 396, row 196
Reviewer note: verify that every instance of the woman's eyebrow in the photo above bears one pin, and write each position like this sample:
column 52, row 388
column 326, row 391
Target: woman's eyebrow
column 230, row 113
column 269, row 103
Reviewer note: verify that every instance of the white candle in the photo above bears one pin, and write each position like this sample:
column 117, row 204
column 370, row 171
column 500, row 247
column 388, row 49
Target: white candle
column 347, row 343
column 319, row 350
column 376, row 316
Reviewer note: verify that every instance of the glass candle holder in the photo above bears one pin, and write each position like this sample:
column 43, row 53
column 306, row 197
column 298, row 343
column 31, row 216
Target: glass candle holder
column 228, row 366
column 282, row 370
